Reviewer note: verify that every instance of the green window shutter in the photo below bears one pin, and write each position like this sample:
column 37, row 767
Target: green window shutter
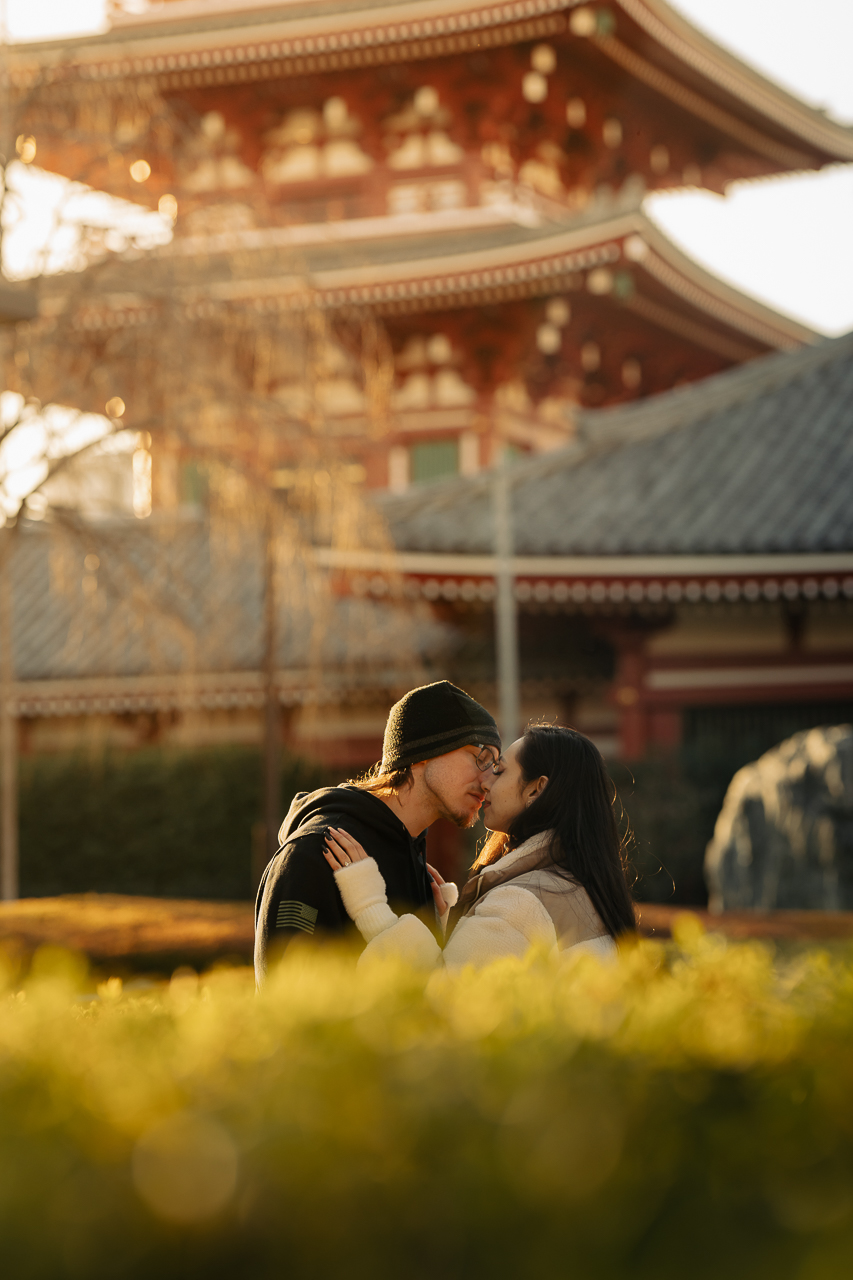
column 194, row 485
column 434, row 460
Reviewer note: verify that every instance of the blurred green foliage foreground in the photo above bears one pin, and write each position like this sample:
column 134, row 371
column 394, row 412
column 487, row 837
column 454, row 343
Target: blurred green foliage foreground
column 686, row 1111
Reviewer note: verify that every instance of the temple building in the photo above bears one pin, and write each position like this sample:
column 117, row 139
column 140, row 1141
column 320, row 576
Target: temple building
column 468, row 180
column 682, row 573
column 469, row 176
column 683, row 569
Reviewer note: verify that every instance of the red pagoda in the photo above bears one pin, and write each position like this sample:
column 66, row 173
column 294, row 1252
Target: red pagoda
column 472, row 174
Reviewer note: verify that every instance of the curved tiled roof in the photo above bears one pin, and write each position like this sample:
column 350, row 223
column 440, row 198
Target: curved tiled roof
column 757, row 460
column 206, row 38
column 174, row 597
column 675, row 34
column 414, row 264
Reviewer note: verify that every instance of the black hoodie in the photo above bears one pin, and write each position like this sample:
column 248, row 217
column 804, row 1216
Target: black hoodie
column 298, row 896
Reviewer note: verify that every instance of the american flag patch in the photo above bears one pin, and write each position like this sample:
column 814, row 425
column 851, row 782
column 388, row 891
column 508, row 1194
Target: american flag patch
column 296, row 915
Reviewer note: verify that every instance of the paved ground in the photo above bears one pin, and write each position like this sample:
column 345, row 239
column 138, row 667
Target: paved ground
column 138, row 933
column 158, row 934
column 782, row 926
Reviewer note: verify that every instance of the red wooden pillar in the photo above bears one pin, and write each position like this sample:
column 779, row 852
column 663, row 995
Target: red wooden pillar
column 628, row 695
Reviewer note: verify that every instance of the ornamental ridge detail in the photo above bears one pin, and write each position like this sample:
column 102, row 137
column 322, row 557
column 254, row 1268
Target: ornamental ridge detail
column 442, row 34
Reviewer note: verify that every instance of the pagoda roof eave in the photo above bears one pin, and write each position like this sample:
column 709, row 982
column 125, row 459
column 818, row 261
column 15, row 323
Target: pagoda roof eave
column 283, row 31
column 795, row 332
column 192, row 40
column 419, row 564
column 691, row 47
column 631, row 237
column 448, row 270
column 452, row 276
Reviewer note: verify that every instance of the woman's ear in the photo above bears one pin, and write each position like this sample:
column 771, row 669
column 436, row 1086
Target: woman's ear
column 534, row 789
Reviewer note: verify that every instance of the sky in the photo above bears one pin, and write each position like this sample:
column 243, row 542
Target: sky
column 786, row 240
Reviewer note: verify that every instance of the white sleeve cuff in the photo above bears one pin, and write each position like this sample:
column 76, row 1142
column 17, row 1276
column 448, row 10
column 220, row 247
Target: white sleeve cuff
column 362, row 888
column 361, row 885
column 375, row 920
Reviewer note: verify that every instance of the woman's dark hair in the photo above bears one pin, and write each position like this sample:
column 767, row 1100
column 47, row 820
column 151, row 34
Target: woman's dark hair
column 577, row 803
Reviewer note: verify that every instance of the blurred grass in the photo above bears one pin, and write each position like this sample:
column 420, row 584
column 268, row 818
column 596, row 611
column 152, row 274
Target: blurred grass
column 685, row 1111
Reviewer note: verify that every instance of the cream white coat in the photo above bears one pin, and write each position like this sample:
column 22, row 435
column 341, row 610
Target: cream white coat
column 506, row 921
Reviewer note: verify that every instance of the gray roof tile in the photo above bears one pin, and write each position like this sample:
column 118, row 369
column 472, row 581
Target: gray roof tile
column 755, row 460
column 175, row 598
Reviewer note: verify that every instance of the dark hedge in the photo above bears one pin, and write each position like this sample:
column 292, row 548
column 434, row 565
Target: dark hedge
column 173, row 823
column 672, row 802
column 165, row 823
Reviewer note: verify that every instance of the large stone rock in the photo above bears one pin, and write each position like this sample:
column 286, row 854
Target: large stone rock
column 784, row 837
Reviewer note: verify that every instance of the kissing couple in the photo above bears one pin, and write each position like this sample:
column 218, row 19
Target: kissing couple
column 550, row 871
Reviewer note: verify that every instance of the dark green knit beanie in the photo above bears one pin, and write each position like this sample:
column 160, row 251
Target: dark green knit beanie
column 433, row 720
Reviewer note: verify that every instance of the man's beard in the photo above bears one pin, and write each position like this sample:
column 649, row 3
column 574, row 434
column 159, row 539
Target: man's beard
column 461, row 818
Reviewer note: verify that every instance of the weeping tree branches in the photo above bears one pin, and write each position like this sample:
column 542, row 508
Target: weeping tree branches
column 177, row 359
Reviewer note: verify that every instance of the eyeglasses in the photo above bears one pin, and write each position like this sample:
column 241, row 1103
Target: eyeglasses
column 485, row 759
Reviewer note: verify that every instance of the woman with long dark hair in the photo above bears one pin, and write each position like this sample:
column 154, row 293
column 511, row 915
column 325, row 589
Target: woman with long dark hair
column 552, row 869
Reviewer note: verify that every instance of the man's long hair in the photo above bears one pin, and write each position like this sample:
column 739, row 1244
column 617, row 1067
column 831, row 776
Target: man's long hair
column 577, row 804
column 383, row 782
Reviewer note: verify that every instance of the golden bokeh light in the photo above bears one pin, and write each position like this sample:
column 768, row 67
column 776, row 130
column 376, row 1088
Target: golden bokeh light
column 25, row 145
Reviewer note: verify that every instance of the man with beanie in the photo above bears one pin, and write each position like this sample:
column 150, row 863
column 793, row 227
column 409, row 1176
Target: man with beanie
column 438, row 743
